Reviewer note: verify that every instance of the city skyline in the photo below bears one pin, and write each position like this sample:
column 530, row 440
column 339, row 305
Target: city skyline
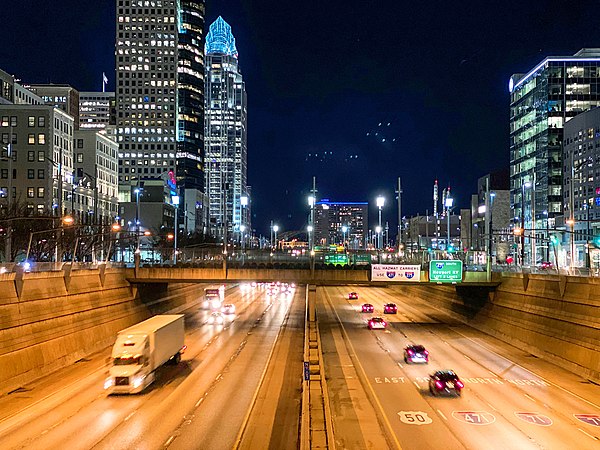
column 317, row 105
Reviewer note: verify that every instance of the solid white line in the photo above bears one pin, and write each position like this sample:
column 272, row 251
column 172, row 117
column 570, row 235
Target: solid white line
column 529, row 397
column 169, row 441
column 129, row 416
column 218, row 377
column 400, row 365
column 467, row 357
column 417, row 385
column 442, row 414
column 492, row 406
column 585, row 432
column 200, row 401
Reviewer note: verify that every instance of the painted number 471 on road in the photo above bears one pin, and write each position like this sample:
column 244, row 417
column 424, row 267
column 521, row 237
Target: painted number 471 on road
column 415, row 417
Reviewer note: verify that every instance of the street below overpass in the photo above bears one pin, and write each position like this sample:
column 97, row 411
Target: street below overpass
column 239, row 385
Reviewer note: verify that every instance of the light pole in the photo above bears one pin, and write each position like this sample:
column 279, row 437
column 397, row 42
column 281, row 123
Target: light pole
column 271, row 235
column 243, row 237
column 571, row 223
column 137, row 192
column 275, row 230
column 175, row 201
column 524, row 186
column 311, row 203
column 344, row 230
column 380, row 201
column 449, row 203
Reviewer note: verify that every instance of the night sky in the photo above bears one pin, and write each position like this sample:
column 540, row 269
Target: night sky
column 356, row 93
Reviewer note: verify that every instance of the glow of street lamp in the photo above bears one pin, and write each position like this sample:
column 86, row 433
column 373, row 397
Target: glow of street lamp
column 68, row 220
column 311, row 200
column 116, row 227
column 242, row 228
column 344, row 229
column 380, row 201
column 377, row 229
column 275, row 228
column 309, row 228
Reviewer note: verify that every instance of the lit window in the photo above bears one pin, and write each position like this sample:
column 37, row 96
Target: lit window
column 30, row 192
column 40, row 192
column 31, row 139
column 41, row 138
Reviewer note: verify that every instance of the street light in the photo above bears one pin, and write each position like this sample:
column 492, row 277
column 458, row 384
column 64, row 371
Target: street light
column 344, row 230
column 137, row 192
column 175, row 201
column 448, row 205
column 242, row 236
column 571, row 223
column 311, row 203
column 524, row 186
column 275, row 230
column 380, row 201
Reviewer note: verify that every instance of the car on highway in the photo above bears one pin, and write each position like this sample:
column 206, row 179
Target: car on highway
column 376, row 323
column 415, row 354
column 352, row 296
column 390, row 308
column 228, row 308
column 216, row 318
column 445, row 382
column 546, row 265
column 367, row 308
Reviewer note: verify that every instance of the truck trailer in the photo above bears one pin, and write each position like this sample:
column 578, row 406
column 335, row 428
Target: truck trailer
column 141, row 349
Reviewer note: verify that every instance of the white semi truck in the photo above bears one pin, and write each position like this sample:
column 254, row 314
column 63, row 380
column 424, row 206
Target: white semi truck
column 140, row 349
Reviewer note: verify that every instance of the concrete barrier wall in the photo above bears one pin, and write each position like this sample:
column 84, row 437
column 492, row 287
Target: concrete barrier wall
column 49, row 327
column 530, row 313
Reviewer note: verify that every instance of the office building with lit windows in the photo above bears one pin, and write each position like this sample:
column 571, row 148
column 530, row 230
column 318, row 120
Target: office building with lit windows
column 97, row 110
column 331, row 217
column 541, row 102
column 160, row 98
column 225, row 135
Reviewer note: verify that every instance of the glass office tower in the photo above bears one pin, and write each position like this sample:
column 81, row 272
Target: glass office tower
column 541, row 101
column 226, row 148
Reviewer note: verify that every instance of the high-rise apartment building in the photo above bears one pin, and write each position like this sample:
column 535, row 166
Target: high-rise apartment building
column 332, row 217
column 160, row 94
column 541, row 102
column 225, row 134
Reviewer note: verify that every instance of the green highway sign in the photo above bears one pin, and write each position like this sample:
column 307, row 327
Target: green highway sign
column 446, row 271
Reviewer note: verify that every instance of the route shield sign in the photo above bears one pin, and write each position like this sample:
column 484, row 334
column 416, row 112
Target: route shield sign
column 590, row 419
column 395, row 272
column 534, row 418
column 474, row 417
column 446, row 271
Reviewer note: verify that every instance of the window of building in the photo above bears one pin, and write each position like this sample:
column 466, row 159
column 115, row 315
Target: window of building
column 79, row 143
column 30, row 174
column 41, row 121
column 41, row 174
column 79, row 157
column 41, row 156
column 13, row 121
column 31, row 139
column 30, row 156
column 31, row 121
column 30, row 192
column 40, row 192
column 4, row 121
column 41, row 138
column 4, row 173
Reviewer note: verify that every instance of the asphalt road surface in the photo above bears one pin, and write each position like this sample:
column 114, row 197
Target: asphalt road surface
column 511, row 399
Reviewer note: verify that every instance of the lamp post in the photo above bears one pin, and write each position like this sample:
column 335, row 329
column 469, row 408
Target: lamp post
column 524, row 186
column 137, row 192
column 175, row 201
column 275, row 230
column 571, row 223
column 449, row 203
column 380, row 201
column 271, row 241
column 243, row 237
column 311, row 203
column 344, row 230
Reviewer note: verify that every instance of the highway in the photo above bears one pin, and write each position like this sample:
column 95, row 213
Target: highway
column 511, row 399
column 206, row 401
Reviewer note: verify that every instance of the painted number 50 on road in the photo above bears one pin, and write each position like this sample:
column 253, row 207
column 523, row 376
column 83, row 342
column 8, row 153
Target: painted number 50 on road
column 415, row 417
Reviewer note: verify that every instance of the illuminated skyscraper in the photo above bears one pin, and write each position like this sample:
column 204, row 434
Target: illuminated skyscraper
column 160, row 98
column 226, row 139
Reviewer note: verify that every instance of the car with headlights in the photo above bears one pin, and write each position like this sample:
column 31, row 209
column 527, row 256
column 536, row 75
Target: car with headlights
column 352, row 296
column 416, row 354
column 216, row 318
column 390, row 308
column 445, row 382
column 367, row 308
column 376, row 323
column 228, row 308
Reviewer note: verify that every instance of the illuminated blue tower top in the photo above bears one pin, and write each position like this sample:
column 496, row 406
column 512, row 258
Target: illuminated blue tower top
column 220, row 39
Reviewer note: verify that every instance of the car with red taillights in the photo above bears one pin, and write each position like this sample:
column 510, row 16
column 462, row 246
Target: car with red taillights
column 352, row 296
column 367, row 308
column 416, row 354
column 390, row 308
column 445, row 382
column 377, row 323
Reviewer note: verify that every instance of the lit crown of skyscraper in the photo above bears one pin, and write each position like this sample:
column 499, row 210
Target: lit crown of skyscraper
column 220, row 39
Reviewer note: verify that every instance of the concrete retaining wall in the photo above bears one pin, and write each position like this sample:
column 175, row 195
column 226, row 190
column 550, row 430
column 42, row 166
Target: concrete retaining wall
column 550, row 317
column 50, row 326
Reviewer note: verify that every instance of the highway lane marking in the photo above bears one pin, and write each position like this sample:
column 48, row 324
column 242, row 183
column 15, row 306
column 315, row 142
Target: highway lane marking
column 530, row 371
column 588, row 434
column 417, row 385
column 129, row 416
column 492, row 406
column 169, row 441
column 442, row 414
column 415, row 418
column 529, row 397
column 474, row 417
column 467, row 357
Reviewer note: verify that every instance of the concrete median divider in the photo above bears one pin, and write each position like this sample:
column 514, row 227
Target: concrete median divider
column 316, row 427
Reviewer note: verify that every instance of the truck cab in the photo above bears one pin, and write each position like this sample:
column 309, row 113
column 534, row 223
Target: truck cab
column 131, row 366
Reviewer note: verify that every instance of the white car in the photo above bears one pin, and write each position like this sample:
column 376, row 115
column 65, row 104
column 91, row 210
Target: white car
column 216, row 318
column 228, row 308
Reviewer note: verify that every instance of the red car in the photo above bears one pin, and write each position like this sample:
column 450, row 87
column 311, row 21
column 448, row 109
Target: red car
column 352, row 296
column 547, row 265
column 445, row 382
column 390, row 308
column 416, row 354
column 377, row 323
column 367, row 308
